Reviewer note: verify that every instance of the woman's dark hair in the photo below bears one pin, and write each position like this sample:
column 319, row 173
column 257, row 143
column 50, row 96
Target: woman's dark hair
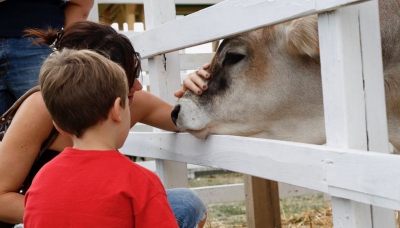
column 97, row 37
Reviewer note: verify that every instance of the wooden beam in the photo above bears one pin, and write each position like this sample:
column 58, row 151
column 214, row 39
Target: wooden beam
column 262, row 202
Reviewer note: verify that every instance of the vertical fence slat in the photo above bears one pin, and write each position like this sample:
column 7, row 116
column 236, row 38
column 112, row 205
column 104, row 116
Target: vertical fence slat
column 375, row 95
column 373, row 75
column 164, row 79
column 344, row 99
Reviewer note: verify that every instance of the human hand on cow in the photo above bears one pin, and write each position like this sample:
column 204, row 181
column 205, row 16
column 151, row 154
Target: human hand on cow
column 195, row 81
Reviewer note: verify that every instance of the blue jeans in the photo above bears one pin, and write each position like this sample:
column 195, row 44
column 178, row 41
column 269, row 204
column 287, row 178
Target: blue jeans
column 187, row 206
column 20, row 63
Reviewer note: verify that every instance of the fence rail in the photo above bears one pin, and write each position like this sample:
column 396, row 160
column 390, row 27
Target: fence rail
column 226, row 19
column 352, row 174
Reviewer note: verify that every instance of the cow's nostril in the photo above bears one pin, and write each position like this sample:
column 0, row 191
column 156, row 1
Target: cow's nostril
column 175, row 113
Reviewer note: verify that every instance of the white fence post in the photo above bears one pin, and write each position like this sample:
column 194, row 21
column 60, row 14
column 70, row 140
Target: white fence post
column 375, row 95
column 342, row 66
column 164, row 80
column 343, row 99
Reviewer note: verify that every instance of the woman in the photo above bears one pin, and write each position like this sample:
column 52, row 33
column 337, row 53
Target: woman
column 32, row 124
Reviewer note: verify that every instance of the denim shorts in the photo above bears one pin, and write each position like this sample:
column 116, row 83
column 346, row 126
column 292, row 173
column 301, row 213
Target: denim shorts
column 20, row 63
column 187, row 206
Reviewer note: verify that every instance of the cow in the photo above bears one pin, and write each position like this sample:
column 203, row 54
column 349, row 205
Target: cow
column 266, row 83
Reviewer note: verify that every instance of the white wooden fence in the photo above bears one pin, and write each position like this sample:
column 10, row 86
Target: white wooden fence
column 209, row 194
column 349, row 40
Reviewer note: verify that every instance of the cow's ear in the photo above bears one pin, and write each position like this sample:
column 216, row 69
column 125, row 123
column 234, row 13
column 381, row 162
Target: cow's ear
column 301, row 36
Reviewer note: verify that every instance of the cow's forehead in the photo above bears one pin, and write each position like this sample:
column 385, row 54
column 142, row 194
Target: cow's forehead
column 254, row 40
column 254, row 35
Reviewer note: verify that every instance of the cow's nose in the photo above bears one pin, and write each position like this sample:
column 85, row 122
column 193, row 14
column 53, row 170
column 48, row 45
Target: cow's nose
column 175, row 113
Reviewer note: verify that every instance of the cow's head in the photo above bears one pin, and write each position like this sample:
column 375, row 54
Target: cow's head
column 265, row 83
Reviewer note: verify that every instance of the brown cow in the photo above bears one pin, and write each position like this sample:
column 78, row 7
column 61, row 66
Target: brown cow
column 267, row 83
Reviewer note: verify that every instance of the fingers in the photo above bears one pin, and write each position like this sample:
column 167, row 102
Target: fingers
column 206, row 66
column 179, row 93
column 197, row 79
column 202, row 71
column 194, row 83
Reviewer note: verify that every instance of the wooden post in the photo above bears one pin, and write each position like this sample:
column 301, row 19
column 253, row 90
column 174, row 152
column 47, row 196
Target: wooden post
column 120, row 20
column 140, row 11
column 262, row 202
column 130, row 10
column 106, row 17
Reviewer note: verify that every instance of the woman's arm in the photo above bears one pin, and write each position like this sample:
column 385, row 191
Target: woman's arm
column 77, row 10
column 18, row 150
column 151, row 110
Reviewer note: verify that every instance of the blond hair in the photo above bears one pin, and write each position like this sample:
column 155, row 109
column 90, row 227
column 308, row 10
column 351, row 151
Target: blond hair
column 79, row 87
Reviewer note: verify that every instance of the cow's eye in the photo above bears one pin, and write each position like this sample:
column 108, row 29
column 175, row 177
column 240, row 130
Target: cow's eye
column 232, row 58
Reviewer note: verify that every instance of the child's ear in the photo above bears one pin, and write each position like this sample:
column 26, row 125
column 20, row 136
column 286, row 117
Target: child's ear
column 115, row 110
column 60, row 130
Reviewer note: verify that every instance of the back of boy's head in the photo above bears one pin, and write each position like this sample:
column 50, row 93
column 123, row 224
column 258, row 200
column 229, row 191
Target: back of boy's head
column 79, row 87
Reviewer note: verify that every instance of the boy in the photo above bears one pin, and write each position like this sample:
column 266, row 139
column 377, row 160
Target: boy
column 92, row 184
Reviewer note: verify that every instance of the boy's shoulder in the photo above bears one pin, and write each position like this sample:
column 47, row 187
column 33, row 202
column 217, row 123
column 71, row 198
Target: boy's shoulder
column 105, row 163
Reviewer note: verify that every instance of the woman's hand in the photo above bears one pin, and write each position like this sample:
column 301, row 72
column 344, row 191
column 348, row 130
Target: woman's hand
column 195, row 81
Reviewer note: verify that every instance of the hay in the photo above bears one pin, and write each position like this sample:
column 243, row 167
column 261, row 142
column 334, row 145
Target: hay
column 309, row 219
column 318, row 218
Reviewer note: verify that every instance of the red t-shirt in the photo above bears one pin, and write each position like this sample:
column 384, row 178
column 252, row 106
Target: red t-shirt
column 96, row 189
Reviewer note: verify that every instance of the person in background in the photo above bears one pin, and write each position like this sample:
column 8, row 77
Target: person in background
column 32, row 123
column 20, row 61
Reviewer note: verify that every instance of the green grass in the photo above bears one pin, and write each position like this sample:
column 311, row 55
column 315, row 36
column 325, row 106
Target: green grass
column 231, row 215
column 218, row 179
column 229, row 209
column 300, row 204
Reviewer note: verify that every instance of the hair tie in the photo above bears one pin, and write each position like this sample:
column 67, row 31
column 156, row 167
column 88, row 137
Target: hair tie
column 56, row 44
